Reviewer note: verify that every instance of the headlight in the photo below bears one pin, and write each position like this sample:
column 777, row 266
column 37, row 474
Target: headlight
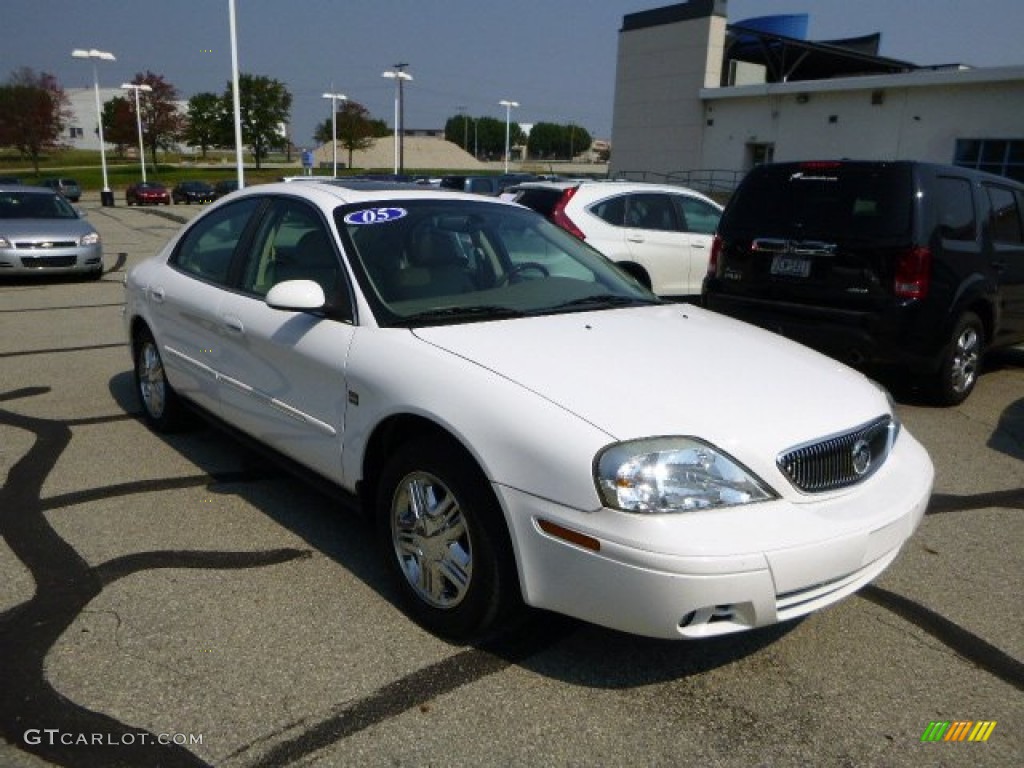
column 673, row 474
column 90, row 239
column 4, row 242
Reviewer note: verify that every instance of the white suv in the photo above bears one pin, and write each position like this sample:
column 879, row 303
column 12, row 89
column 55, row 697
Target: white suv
column 659, row 233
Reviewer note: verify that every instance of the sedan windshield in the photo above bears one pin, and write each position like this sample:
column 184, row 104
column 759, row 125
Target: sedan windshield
column 35, row 205
column 430, row 262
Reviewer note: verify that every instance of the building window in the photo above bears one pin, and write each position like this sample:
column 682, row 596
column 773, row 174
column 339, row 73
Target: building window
column 75, row 132
column 1004, row 157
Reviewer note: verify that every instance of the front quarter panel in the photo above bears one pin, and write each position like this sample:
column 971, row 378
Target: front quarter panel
column 518, row 438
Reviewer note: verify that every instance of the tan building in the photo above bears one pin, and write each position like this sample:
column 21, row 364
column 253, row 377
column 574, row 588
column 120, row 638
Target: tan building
column 700, row 101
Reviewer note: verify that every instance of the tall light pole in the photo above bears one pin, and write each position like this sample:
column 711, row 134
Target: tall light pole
column 138, row 119
column 235, row 93
column 335, row 97
column 79, row 53
column 508, row 122
column 399, row 77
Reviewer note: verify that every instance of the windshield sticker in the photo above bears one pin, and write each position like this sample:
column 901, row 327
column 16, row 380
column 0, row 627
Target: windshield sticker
column 375, row 215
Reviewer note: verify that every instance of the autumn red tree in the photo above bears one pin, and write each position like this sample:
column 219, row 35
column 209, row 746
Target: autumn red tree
column 33, row 112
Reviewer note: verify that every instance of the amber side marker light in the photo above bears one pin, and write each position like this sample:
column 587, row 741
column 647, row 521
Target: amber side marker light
column 567, row 534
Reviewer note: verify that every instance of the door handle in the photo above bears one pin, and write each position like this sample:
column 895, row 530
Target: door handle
column 635, row 238
column 157, row 295
column 232, row 324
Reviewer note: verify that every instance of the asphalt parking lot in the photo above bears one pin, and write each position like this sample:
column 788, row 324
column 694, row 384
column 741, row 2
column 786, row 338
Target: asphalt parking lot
column 181, row 602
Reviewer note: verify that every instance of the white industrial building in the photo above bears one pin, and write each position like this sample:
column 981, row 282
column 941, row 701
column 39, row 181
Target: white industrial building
column 698, row 99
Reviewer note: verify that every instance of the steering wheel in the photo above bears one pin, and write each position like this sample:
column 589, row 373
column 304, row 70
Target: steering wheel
column 521, row 267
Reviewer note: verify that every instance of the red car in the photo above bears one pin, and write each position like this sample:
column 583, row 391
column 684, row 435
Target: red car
column 147, row 193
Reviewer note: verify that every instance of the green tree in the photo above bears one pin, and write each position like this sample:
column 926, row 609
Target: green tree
column 356, row 130
column 265, row 107
column 490, row 136
column 205, row 123
column 552, row 141
column 33, row 112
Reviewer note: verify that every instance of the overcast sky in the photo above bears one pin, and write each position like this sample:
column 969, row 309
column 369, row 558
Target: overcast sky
column 555, row 57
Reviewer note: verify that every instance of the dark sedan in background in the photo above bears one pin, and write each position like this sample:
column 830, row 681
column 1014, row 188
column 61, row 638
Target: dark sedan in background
column 189, row 192
column 41, row 233
column 147, row 193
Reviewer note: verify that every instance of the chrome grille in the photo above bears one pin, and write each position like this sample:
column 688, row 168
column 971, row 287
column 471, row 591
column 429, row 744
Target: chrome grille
column 840, row 460
column 45, row 244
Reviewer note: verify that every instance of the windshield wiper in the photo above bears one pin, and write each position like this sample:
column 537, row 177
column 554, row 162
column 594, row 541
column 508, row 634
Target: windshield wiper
column 603, row 300
column 475, row 312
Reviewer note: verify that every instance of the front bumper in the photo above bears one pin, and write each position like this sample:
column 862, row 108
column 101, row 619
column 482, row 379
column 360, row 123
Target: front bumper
column 694, row 575
column 85, row 259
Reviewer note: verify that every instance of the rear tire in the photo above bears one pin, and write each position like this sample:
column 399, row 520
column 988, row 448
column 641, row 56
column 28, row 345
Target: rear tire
column 961, row 362
column 161, row 406
column 445, row 541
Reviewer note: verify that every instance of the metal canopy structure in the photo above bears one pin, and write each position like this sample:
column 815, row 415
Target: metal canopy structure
column 788, row 58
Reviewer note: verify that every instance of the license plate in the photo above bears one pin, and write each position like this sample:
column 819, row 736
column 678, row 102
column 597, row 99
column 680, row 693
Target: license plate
column 791, row 266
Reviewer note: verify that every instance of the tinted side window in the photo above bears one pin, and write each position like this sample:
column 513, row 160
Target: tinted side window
column 206, row 250
column 612, row 210
column 1005, row 218
column 955, row 206
column 698, row 216
column 648, row 211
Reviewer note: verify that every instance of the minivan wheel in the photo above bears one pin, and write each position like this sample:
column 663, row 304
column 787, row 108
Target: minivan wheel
column 961, row 363
column 445, row 541
column 160, row 404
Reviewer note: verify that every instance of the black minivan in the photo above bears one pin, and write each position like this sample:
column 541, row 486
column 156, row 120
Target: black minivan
column 903, row 269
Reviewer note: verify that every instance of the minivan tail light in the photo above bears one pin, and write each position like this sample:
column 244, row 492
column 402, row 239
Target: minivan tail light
column 561, row 218
column 913, row 273
column 716, row 252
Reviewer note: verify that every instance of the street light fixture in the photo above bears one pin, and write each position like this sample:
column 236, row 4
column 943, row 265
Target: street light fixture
column 335, row 97
column 138, row 119
column 106, row 196
column 508, row 120
column 399, row 77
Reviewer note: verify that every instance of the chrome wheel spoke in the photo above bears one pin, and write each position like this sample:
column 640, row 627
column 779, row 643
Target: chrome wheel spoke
column 431, row 540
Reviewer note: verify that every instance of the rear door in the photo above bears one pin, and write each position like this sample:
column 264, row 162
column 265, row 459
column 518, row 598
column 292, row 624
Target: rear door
column 1006, row 231
column 185, row 301
column 654, row 237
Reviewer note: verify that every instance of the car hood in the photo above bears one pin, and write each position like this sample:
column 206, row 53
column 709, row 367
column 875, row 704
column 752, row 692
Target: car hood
column 44, row 229
column 673, row 370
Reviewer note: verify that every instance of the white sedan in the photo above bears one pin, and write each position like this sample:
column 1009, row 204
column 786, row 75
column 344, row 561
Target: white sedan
column 524, row 423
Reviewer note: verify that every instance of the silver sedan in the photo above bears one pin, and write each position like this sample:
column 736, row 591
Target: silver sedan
column 42, row 234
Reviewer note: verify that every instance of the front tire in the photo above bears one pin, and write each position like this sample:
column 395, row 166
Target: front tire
column 445, row 541
column 161, row 406
column 961, row 363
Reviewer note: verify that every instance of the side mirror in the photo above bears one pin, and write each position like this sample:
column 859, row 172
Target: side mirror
column 296, row 296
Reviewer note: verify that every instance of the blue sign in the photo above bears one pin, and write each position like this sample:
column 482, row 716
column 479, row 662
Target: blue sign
column 375, row 215
column 307, row 159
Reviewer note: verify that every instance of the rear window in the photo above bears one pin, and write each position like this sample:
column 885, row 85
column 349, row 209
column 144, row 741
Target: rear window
column 824, row 202
column 540, row 200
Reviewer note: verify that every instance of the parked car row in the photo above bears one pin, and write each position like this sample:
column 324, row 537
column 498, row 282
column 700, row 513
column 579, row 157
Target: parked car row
column 418, row 348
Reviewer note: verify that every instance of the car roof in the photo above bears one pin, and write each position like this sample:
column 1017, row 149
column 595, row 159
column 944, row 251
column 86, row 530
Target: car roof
column 612, row 186
column 35, row 189
column 340, row 191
